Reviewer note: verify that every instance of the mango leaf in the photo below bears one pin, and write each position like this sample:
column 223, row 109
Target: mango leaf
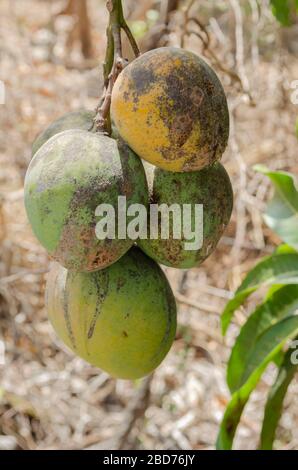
column 280, row 305
column 266, row 348
column 280, row 250
column 273, row 337
column 275, row 401
column 284, row 248
column 234, row 411
column 272, row 290
column 275, row 269
column 281, row 9
column 282, row 211
column 279, row 358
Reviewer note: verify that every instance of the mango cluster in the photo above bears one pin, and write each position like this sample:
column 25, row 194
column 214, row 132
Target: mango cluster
column 109, row 300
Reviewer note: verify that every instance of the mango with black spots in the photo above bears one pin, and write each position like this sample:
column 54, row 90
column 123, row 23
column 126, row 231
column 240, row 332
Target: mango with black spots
column 211, row 188
column 121, row 319
column 81, row 119
column 171, row 109
column 72, row 174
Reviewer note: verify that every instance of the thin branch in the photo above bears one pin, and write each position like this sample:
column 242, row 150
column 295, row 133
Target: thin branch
column 215, row 59
column 186, row 14
column 114, row 62
column 217, row 62
column 135, row 411
column 123, row 25
column 202, row 28
column 255, row 20
column 203, row 35
column 197, row 305
column 240, row 44
column 160, row 30
column 131, row 39
column 108, row 63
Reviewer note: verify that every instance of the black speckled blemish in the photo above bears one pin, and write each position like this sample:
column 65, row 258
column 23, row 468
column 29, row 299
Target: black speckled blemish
column 210, row 187
column 101, row 289
column 191, row 97
column 67, row 317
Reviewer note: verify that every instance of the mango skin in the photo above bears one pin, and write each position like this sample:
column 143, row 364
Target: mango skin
column 121, row 319
column 69, row 176
column 171, row 109
column 210, row 187
column 81, row 119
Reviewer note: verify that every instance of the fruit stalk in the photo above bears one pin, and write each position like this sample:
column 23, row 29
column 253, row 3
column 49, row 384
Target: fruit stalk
column 114, row 61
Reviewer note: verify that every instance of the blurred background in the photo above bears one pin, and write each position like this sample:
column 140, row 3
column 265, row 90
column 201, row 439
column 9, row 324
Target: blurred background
column 50, row 63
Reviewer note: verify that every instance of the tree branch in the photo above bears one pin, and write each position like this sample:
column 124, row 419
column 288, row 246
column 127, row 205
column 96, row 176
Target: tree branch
column 114, row 62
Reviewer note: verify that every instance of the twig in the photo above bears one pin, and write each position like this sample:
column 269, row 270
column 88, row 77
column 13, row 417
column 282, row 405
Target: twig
column 204, row 36
column 197, row 305
column 78, row 9
column 202, row 28
column 114, row 62
column 131, row 39
column 21, row 274
column 240, row 44
column 241, row 228
column 186, row 14
column 135, row 411
column 84, row 26
column 153, row 39
column 166, row 8
column 233, row 75
column 182, row 286
column 229, row 241
column 214, row 291
column 254, row 41
column 132, row 415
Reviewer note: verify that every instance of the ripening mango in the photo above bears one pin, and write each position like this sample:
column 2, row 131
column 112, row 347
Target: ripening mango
column 72, row 174
column 212, row 190
column 171, row 109
column 121, row 319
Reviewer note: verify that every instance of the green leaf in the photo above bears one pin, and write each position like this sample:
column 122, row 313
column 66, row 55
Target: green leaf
column 280, row 250
column 266, row 348
column 282, row 211
column 271, row 340
column 279, row 358
column 284, row 248
column 280, row 305
column 281, row 10
column 275, row 269
column 234, row 412
column 275, row 401
column 272, row 290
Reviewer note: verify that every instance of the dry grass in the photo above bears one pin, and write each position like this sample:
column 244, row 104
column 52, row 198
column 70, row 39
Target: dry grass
column 51, row 399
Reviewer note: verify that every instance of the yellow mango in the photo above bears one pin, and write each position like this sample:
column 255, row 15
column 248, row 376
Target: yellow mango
column 171, row 109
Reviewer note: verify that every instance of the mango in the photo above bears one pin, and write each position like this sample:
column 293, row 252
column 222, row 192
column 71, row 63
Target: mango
column 121, row 319
column 171, row 109
column 81, row 119
column 68, row 178
column 211, row 188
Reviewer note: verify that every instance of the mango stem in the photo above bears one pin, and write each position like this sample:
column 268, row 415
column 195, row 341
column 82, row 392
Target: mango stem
column 114, row 62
